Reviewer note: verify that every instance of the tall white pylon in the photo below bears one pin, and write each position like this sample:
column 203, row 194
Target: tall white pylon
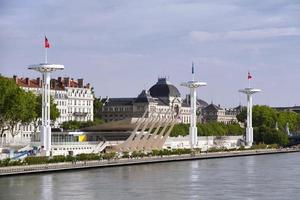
column 249, row 129
column 45, row 128
column 193, row 85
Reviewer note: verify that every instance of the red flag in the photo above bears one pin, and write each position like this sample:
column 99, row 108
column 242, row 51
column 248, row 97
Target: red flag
column 249, row 76
column 47, row 44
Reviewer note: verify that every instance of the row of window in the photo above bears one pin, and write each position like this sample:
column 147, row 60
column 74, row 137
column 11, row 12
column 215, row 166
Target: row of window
column 80, row 102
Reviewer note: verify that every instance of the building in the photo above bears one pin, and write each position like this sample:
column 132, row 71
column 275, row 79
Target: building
column 200, row 105
column 288, row 108
column 74, row 101
column 214, row 113
column 161, row 99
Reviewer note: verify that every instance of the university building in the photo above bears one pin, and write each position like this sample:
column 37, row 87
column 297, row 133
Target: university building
column 214, row 113
column 163, row 100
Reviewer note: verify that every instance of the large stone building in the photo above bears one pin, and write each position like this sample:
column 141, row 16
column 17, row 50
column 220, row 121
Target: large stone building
column 74, row 101
column 162, row 99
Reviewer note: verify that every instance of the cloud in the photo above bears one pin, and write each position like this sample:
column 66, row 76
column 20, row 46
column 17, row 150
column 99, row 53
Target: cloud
column 204, row 36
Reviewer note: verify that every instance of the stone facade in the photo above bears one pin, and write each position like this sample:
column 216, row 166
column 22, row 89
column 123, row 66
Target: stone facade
column 214, row 113
column 160, row 98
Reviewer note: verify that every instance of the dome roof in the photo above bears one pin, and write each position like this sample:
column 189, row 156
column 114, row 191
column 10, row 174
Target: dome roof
column 163, row 88
column 144, row 97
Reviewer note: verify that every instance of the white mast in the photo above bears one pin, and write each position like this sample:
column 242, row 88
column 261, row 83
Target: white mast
column 193, row 85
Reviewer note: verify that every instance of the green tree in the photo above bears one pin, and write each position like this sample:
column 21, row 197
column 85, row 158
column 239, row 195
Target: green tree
column 264, row 123
column 76, row 125
column 208, row 129
column 242, row 116
column 7, row 88
column 97, row 108
column 16, row 106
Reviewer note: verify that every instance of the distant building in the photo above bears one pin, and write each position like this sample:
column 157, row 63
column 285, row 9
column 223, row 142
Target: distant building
column 158, row 100
column 288, row 108
column 200, row 105
column 214, row 113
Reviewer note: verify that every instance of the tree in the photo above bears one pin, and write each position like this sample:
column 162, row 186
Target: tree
column 16, row 106
column 264, row 123
column 97, row 108
column 242, row 116
column 7, row 88
column 76, row 125
column 208, row 129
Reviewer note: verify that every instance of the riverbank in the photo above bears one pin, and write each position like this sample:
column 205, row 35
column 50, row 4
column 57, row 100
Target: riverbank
column 29, row 169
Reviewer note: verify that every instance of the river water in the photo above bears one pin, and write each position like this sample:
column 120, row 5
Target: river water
column 266, row 177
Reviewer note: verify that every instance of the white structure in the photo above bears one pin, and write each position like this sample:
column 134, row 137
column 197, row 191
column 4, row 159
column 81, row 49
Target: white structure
column 204, row 142
column 46, row 69
column 193, row 85
column 249, row 130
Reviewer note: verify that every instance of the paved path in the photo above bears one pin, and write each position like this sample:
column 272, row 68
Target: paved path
column 27, row 169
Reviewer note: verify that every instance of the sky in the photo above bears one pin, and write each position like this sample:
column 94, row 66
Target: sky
column 122, row 47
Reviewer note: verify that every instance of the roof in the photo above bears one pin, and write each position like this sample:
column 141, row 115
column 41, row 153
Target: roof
column 212, row 107
column 201, row 103
column 163, row 88
column 118, row 101
column 144, row 97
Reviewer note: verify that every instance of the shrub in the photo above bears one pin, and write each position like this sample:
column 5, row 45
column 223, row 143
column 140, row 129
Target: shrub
column 34, row 160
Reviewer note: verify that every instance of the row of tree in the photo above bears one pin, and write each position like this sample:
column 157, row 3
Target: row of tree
column 76, row 125
column 209, row 129
column 270, row 125
column 19, row 107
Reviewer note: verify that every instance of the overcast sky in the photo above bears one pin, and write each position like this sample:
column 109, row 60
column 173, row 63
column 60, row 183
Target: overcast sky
column 121, row 47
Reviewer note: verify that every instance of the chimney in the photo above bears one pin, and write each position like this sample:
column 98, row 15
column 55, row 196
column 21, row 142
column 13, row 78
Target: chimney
column 80, row 82
column 66, row 81
column 39, row 82
column 59, row 79
column 27, row 81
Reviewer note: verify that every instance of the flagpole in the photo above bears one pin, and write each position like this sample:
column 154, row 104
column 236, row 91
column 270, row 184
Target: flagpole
column 193, row 71
column 46, row 56
column 249, row 82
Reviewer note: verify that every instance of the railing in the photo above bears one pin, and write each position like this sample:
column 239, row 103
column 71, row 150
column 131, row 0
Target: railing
column 67, row 143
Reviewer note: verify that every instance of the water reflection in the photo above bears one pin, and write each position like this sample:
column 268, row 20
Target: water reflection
column 46, row 187
column 255, row 177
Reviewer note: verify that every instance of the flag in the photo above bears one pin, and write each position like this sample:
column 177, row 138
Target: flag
column 249, row 76
column 193, row 68
column 47, row 44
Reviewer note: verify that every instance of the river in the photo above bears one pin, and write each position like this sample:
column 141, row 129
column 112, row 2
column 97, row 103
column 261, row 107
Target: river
column 266, row 177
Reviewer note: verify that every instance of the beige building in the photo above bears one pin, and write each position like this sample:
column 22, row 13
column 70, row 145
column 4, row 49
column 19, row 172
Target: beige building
column 214, row 113
column 160, row 100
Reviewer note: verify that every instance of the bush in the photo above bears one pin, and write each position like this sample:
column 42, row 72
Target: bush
column 85, row 157
column 31, row 160
column 109, row 156
column 56, row 159
column 125, row 154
